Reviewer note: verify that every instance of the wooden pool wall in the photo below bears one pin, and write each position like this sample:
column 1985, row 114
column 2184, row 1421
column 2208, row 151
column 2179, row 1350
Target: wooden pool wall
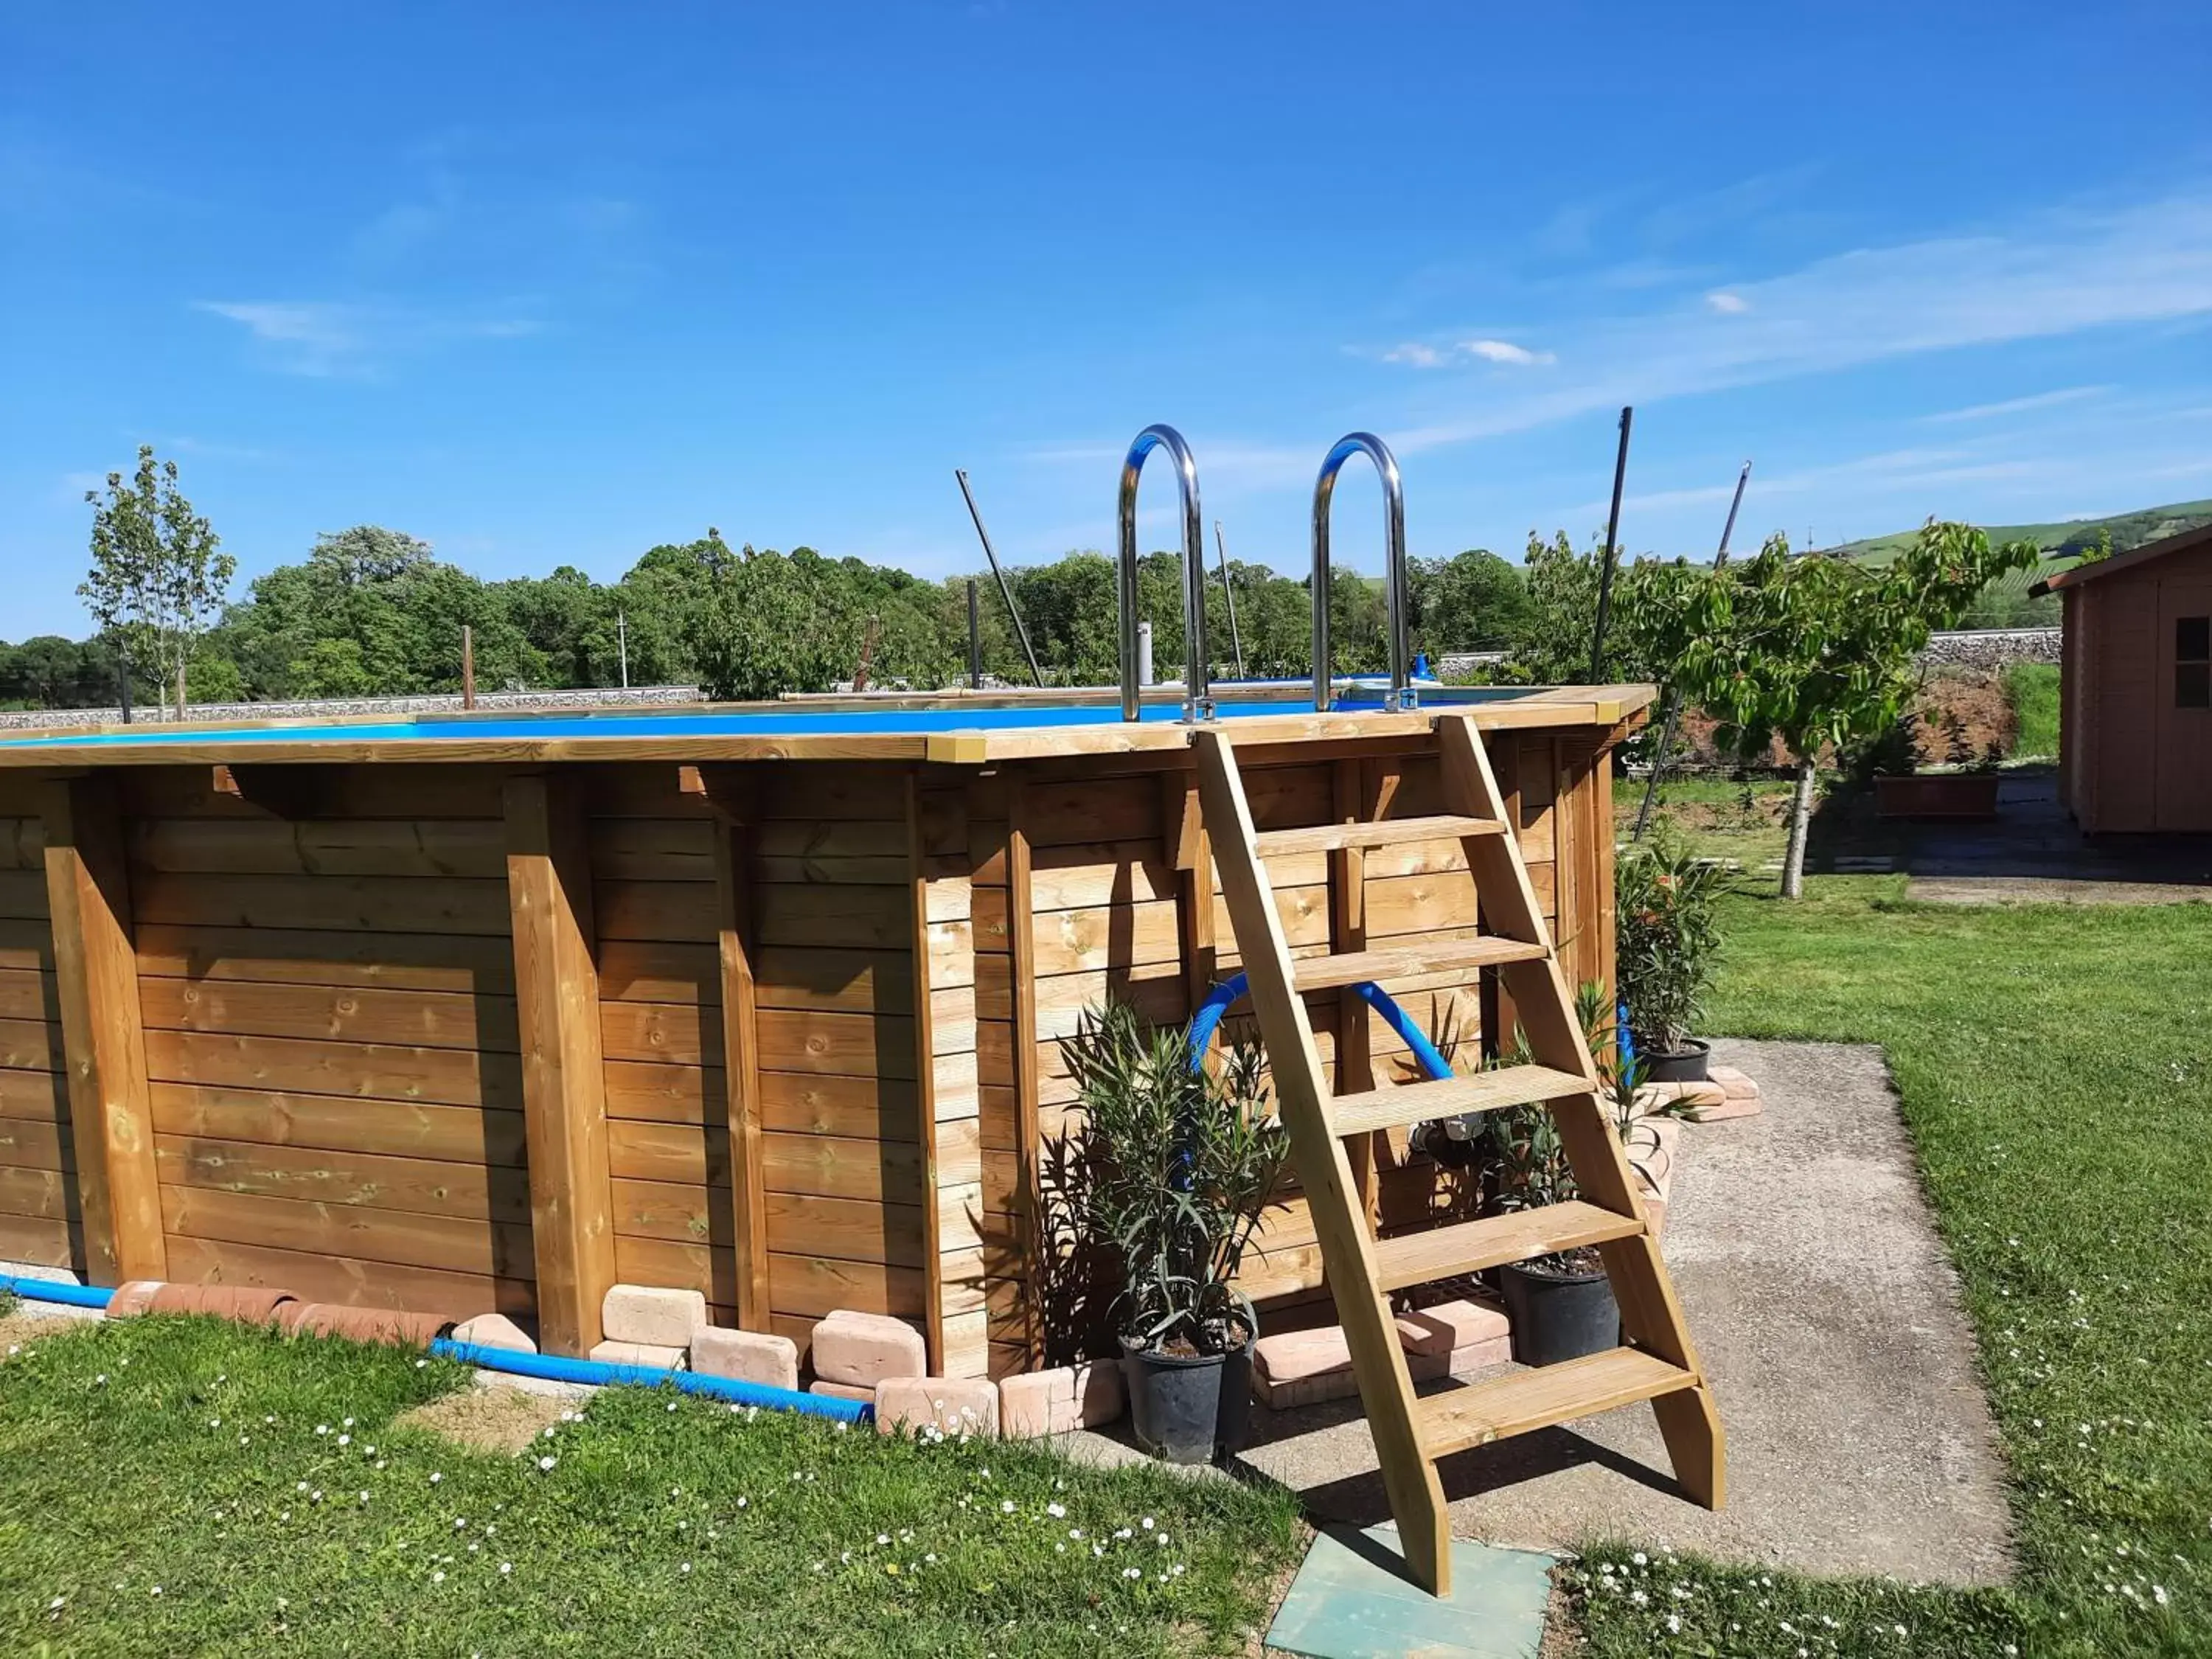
column 458, row 1036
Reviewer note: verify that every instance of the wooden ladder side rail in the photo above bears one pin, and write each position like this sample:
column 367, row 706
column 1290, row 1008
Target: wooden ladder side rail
column 1378, row 1360
column 1650, row 1316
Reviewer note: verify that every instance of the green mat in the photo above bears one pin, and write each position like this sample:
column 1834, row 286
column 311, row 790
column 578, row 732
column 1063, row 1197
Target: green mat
column 1350, row 1601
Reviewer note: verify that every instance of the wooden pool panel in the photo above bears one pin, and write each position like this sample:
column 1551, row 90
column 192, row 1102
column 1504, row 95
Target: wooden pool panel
column 800, row 1049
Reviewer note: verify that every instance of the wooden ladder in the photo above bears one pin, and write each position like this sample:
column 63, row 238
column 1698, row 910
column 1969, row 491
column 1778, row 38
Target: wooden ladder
column 1656, row 1361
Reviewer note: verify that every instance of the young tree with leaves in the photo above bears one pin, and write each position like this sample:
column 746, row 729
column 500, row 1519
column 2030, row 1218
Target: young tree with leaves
column 158, row 574
column 1821, row 652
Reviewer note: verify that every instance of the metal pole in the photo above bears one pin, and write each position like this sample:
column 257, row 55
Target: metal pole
column 975, row 640
column 1674, row 702
column 622, row 641
column 1236, row 639
column 1611, row 553
column 1006, row 592
column 1144, row 654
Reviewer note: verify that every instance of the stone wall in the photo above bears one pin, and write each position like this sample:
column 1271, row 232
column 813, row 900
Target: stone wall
column 640, row 697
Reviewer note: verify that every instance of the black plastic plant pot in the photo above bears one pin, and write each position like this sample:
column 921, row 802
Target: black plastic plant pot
column 1188, row 1409
column 1559, row 1316
column 1686, row 1064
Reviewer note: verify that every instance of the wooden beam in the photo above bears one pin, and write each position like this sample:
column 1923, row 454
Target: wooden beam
column 103, row 1039
column 556, row 983
column 741, row 1051
column 1021, row 944
column 925, row 1065
column 1182, row 831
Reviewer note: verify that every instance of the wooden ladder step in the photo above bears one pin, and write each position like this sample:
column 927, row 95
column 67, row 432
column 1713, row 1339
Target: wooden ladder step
column 1381, row 832
column 1396, row 962
column 1394, row 1106
column 1516, row 1235
column 1522, row 1400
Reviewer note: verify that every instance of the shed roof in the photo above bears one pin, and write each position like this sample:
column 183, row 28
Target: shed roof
column 2200, row 537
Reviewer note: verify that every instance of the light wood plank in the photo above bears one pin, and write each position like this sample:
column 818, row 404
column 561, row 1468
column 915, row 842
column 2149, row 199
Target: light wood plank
column 458, row 1134
column 563, row 1068
column 742, row 1117
column 437, row 1019
column 456, row 962
column 96, row 977
column 1471, row 1247
column 1522, row 1400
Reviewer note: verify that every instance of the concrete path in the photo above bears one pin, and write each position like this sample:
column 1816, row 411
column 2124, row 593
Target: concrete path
column 1828, row 1315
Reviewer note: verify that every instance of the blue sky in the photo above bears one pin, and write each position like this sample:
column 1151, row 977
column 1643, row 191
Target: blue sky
column 551, row 284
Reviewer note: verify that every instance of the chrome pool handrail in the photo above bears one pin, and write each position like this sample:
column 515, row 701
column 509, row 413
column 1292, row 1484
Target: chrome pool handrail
column 1197, row 692
column 1400, row 694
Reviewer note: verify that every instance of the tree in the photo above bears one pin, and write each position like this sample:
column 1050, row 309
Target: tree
column 1818, row 652
column 158, row 576
column 1473, row 601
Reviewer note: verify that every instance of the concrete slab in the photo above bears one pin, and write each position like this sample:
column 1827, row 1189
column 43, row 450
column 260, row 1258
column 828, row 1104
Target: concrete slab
column 1829, row 1318
column 1350, row 1601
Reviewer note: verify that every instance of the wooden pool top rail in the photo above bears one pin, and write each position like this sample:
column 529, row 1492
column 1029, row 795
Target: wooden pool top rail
column 234, row 744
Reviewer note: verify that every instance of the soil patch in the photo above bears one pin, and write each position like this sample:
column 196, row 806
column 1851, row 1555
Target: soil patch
column 489, row 1419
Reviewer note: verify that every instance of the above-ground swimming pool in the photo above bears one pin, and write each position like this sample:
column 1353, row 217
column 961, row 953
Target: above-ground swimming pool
column 473, row 1012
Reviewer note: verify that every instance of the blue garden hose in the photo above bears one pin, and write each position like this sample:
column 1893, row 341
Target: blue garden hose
column 547, row 1367
column 1207, row 1019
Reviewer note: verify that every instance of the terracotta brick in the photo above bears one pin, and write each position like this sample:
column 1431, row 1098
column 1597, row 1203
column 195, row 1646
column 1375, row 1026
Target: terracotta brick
column 492, row 1330
column 843, row 1391
column 1480, row 1356
column 1296, row 1355
column 134, row 1297
column 248, row 1304
column 748, row 1356
column 1449, row 1325
column 388, row 1324
column 655, row 1315
column 866, row 1349
column 1061, row 1401
column 659, row 1355
column 956, row 1405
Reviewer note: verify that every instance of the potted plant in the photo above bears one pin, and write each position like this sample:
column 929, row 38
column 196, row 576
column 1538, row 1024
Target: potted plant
column 1668, row 943
column 1968, row 789
column 1561, row 1306
column 1179, row 1162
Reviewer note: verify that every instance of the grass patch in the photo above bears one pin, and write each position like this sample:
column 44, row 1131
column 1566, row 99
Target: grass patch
column 2054, row 1075
column 2031, row 689
column 1713, row 818
column 186, row 1486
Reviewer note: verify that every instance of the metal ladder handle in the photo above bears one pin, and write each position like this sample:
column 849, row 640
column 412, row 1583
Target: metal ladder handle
column 1401, row 695
column 1197, row 692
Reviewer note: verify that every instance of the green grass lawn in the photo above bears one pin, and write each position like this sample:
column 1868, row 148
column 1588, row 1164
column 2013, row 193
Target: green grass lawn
column 175, row 1487
column 2031, row 689
column 2055, row 1072
column 1713, row 818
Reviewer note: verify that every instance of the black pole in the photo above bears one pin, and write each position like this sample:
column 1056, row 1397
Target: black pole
column 1006, row 592
column 1611, row 553
column 1675, row 702
column 975, row 640
column 1236, row 639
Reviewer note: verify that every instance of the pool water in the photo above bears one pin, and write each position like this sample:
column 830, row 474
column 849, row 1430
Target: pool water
column 768, row 722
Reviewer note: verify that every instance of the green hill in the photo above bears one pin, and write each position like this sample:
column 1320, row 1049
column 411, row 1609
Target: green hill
column 2005, row 603
column 2127, row 530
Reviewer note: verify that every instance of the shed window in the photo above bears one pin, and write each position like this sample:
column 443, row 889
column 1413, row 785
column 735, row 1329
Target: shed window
column 2192, row 662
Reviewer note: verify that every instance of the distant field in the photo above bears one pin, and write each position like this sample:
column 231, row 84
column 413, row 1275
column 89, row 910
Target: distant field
column 2131, row 529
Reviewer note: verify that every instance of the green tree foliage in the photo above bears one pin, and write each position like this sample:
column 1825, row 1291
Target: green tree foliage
column 1474, row 601
column 158, row 573
column 1818, row 652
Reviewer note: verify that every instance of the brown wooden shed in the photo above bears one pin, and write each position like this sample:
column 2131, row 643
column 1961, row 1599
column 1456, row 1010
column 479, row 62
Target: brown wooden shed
column 2135, row 728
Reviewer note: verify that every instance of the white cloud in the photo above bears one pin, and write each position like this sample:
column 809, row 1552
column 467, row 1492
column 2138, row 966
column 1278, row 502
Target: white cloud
column 1504, row 351
column 1415, row 354
column 2020, row 405
column 2055, row 274
column 335, row 338
column 1728, row 305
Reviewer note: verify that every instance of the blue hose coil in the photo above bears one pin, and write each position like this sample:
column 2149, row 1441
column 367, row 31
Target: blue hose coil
column 1207, row 1020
